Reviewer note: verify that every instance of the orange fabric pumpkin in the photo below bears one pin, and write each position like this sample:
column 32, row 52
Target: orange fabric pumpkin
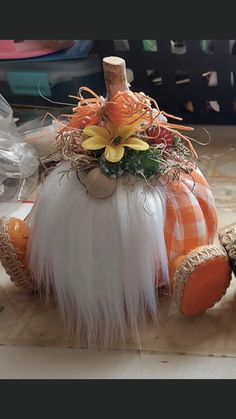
column 191, row 218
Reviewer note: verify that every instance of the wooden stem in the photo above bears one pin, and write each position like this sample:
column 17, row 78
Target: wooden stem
column 115, row 75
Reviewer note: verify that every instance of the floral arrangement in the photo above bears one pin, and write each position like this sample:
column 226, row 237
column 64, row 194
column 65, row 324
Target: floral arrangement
column 127, row 134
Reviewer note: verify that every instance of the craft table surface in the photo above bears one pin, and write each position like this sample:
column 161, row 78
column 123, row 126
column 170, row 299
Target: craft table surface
column 29, row 350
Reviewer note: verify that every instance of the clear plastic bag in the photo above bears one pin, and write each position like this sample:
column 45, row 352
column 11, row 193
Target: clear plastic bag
column 19, row 163
column 7, row 123
column 41, row 137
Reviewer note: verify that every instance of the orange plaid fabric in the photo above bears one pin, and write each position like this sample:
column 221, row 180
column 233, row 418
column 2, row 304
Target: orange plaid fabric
column 191, row 218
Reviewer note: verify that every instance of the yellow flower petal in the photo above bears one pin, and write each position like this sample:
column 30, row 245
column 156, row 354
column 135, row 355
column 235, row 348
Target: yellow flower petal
column 114, row 153
column 136, row 144
column 113, row 129
column 94, row 130
column 127, row 130
column 94, row 143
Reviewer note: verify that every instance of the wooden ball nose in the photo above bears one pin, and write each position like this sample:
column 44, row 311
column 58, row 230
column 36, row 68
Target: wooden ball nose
column 100, row 185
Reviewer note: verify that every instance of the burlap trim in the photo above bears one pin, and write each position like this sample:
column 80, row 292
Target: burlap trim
column 228, row 241
column 187, row 267
column 8, row 256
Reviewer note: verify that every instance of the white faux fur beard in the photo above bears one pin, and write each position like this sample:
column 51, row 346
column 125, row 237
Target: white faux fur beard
column 101, row 257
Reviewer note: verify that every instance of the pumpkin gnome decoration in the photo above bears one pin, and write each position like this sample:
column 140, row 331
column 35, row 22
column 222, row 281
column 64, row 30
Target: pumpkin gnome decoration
column 125, row 212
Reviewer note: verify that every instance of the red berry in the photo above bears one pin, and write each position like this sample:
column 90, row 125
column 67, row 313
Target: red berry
column 160, row 136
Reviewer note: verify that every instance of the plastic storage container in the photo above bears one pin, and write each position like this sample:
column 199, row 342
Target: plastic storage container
column 17, row 49
column 22, row 81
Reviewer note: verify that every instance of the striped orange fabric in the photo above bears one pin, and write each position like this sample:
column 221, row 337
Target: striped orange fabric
column 191, row 218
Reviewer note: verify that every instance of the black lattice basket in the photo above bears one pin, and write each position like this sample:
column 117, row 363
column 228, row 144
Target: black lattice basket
column 192, row 79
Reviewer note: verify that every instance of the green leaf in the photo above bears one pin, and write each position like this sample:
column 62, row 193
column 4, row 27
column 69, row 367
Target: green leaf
column 176, row 143
column 110, row 169
column 140, row 163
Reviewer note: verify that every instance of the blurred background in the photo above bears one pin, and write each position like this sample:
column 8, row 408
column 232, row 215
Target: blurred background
column 193, row 79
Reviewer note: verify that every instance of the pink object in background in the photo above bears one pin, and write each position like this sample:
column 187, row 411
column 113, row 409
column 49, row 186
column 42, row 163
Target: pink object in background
column 13, row 49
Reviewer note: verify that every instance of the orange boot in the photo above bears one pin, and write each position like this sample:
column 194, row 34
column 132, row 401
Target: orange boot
column 200, row 278
column 14, row 235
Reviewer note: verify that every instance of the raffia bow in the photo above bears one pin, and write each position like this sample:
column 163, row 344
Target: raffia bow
column 124, row 108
